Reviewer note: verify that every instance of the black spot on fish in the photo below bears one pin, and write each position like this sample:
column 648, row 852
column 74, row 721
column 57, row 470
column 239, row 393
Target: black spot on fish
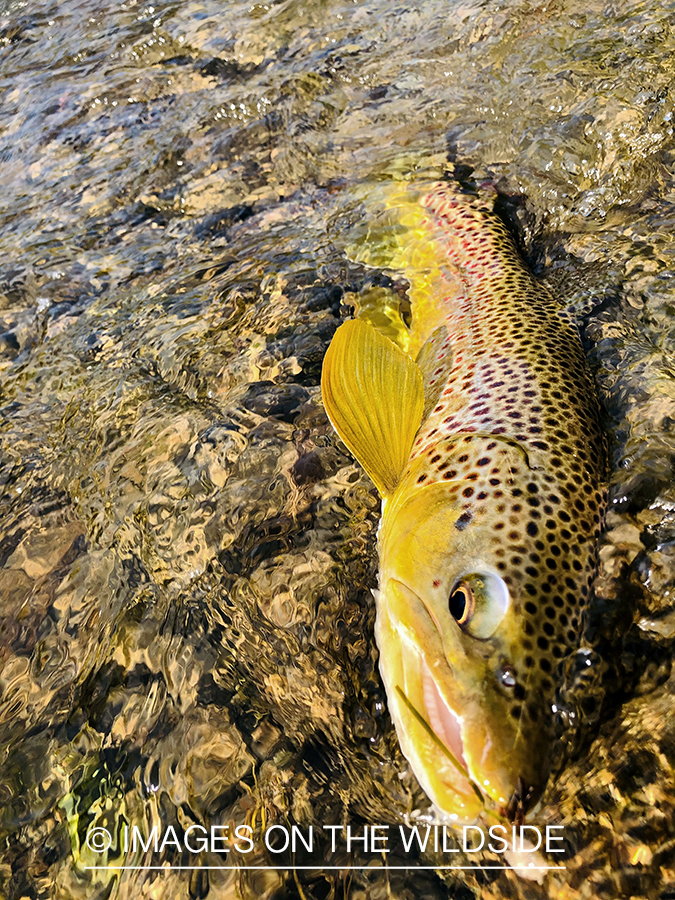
column 463, row 521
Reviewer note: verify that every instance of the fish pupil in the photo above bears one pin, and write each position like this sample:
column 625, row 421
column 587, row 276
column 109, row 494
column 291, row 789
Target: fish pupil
column 457, row 603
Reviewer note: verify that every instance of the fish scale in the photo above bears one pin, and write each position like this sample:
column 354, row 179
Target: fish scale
column 492, row 487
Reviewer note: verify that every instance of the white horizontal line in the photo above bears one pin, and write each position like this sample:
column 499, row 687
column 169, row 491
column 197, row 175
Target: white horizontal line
column 320, row 868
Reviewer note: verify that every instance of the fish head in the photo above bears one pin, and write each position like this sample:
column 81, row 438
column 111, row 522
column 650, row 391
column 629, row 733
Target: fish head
column 460, row 658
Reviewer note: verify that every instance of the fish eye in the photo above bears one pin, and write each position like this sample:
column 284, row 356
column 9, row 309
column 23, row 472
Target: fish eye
column 461, row 603
column 478, row 603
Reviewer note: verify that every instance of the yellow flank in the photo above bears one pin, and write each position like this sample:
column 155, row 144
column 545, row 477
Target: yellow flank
column 481, row 432
column 413, row 246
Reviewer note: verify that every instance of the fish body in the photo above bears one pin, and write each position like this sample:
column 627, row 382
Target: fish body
column 482, row 434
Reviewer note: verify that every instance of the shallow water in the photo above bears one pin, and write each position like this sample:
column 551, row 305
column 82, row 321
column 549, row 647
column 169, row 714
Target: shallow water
column 187, row 551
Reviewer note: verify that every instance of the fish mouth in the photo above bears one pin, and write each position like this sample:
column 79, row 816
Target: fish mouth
column 414, row 668
column 444, row 721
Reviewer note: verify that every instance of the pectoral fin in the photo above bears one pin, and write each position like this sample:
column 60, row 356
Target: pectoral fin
column 374, row 397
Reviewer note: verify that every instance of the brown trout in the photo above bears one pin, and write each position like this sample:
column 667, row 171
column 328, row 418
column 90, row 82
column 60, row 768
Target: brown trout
column 481, row 431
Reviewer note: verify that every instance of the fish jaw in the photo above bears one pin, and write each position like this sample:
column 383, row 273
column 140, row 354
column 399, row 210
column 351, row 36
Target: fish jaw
column 407, row 644
column 461, row 721
column 444, row 721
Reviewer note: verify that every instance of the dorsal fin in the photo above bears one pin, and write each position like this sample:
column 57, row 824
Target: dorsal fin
column 374, row 397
